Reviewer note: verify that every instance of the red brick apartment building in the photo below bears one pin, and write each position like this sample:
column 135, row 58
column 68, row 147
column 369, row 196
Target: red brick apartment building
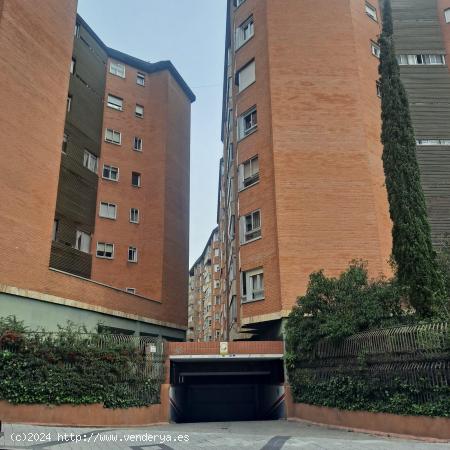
column 301, row 179
column 94, row 195
column 205, row 318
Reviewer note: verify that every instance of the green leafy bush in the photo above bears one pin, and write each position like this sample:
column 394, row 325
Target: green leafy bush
column 335, row 308
column 70, row 367
column 361, row 391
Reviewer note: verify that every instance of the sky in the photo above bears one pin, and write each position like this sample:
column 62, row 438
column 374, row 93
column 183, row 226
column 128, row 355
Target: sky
column 190, row 33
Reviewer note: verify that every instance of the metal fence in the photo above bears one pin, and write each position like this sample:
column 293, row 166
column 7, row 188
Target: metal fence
column 418, row 355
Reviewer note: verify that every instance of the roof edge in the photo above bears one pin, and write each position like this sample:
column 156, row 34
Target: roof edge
column 145, row 66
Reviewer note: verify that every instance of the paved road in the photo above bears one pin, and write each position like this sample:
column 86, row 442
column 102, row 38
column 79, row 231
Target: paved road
column 273, row 435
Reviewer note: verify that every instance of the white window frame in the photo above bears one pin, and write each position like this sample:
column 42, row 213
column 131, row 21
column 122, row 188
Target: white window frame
column 246, row 76
column 64, row 143
column 104, row 245
column 111, row 210
column 139, row 141
column 77, row 30
column 447, row 15
column 242, row 131
column 73, row 64
column 55, row 229
column 118, row 69
column 140, row 79
column 130, row 290
column 140, row 179
column 131, row 215
column 371, row 11
column 109, row 168
column 254, row 233
column 82, row 241
column 90, row 161
column 69, row 103
column 115, row 102
column 114, row 134
column 134, row 251
column 378, row 88
column 140, row 115
column 238, row 3
column 421, row 60
column 376, row 50
column 244, row 32
column 438, row 141
column 247, row 282
column 251, row 180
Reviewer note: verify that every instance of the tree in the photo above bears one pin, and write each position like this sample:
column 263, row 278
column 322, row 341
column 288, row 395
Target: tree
column 335, row 308
column 413, row 254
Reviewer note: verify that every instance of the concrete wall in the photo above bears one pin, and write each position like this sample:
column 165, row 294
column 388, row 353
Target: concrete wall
column 41, row 314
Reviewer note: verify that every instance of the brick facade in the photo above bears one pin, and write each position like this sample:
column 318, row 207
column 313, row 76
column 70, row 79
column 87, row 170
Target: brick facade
column 41, row 40
column 320, row 191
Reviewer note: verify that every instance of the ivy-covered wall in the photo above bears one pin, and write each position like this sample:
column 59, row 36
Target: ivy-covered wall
column 72, row 367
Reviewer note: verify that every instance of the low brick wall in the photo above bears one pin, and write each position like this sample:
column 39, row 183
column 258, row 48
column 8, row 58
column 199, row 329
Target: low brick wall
column 86, row 415
column 420, row 427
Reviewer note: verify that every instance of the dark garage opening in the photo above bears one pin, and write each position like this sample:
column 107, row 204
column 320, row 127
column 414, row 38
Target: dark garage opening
column 226, row 390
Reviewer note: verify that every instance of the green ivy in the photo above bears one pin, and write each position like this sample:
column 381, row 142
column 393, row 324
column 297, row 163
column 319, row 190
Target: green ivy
column 68, row 368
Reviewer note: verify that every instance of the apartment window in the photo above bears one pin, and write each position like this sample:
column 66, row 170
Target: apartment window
column 105, row 250
column 73, row 63
column 217, row 300
column 137, row 144
column 82, row 241
column 77, row 30
column 69, row 103
column 108, row 210
column 371, row 11
column 244, row 32
column 136, row 179
column 110, row 173
column 112, row 136
column 378, row 85
column 250, row 226
column 90, row 161
column 216, row 252
column 433, row 141
column 249, row 173
column 246, row 76
column 115, row 102
column 132, row 254
column 216, row 268
column 252, row 283
column 140, row 79
column 139, row 112
column 134, row 215
column 117, row 69
column 376, row 51
column 55, row 229
column 216, row 284
column 230, row 154
column 217, row 334
column 415, row 60
column 131, row 290
column 216, row 316
column 238, row 2
column 447, row 15
column 64, row 143
column 247, row 123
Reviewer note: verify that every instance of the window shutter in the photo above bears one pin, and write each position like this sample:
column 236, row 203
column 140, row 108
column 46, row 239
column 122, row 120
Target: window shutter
column 246, row 76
